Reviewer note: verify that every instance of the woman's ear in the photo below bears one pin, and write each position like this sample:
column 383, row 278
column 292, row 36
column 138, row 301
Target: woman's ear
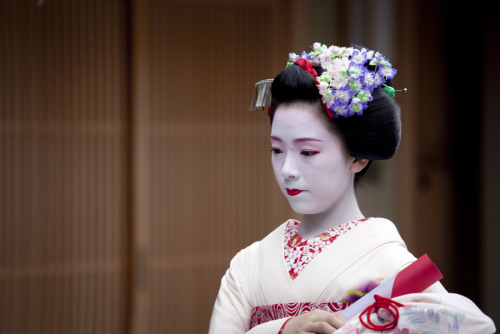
column 358, row 164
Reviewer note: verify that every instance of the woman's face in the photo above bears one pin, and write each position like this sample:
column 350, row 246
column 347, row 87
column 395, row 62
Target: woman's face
column 311, row 164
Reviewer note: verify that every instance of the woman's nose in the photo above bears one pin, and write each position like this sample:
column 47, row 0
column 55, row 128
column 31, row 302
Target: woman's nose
column 289, row 169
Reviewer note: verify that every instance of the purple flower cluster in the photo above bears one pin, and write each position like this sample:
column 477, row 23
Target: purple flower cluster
column 349, row 76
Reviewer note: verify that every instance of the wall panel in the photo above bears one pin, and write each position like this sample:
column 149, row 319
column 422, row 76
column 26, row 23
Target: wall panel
column 211, row 184
column 64, row 221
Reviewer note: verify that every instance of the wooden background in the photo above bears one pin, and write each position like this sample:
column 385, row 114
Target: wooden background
column 131, row 171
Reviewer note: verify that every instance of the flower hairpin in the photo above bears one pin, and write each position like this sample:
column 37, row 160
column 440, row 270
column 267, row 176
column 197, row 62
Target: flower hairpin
column 347, row 82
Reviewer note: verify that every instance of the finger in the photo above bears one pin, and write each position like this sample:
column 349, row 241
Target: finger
column 336, row 320
column 320, row 327
column 318, row 315
column 331, row 318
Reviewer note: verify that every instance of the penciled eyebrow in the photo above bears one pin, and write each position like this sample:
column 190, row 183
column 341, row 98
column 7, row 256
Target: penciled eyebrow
column 298, row 140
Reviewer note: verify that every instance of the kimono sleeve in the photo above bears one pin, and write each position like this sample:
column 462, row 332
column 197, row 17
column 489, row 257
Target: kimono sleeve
column 233, row 306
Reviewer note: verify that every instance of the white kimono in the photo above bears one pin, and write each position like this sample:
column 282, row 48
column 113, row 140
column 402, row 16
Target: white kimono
column 258, row 275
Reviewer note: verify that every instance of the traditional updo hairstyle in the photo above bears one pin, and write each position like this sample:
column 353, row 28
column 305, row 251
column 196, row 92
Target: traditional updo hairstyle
column 375, row 135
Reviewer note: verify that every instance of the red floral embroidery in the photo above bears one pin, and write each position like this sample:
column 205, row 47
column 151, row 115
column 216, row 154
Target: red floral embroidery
column 299, row 252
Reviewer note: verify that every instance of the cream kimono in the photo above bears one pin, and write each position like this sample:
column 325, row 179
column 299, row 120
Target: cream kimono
column 258, row 275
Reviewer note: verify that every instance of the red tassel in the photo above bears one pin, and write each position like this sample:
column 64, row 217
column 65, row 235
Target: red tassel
column 381, row 303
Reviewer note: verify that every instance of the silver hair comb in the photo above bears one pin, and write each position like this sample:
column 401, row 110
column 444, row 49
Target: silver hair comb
column 262, row 95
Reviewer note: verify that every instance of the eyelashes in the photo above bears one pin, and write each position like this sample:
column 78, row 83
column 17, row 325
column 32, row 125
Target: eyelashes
column 306, row 153
column 309, row 153
column 276, row 151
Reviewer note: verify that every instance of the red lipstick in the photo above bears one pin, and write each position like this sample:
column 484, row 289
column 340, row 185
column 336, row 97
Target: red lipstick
column 293, row 192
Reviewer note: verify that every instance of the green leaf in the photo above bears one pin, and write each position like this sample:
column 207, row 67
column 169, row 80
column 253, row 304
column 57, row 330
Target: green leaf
column 389, row 90
column 356, row 292
column 362, row 97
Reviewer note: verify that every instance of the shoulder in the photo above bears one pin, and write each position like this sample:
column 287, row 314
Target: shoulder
column 246, row 258
column 381, row 222
column 378, row 230
column 381, row 245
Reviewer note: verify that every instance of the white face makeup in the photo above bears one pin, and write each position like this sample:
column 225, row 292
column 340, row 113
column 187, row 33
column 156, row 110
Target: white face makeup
column 310, row 163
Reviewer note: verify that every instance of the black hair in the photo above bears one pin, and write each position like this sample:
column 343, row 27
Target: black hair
column 375, row 135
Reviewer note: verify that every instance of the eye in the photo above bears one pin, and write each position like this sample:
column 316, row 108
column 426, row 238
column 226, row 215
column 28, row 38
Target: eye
column 276, row 150
column 309, row 153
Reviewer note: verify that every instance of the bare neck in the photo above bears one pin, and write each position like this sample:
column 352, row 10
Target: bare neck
column 345, row 210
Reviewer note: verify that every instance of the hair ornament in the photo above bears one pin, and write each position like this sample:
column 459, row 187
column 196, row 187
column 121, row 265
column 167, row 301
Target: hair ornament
column 307, row 66
column 262, row 94
column 349, row 76
column 392, row 92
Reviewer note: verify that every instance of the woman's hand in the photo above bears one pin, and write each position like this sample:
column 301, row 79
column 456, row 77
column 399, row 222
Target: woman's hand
column 316, row 321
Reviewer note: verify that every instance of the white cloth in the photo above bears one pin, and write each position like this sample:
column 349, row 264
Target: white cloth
column 257, row 275
column 431, row 313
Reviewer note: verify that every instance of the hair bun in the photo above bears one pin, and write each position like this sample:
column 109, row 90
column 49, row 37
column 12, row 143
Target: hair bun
column 376, row 134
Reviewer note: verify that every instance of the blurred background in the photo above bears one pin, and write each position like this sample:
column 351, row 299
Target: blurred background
column 131, row 170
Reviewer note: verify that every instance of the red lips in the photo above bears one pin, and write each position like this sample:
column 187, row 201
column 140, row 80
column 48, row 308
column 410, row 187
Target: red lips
column 293, row 192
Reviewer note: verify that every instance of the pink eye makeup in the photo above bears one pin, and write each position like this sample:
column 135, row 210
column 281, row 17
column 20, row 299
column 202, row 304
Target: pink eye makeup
column 309, row 153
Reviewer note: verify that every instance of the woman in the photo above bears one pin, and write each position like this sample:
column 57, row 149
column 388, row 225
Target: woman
column 332, row 113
